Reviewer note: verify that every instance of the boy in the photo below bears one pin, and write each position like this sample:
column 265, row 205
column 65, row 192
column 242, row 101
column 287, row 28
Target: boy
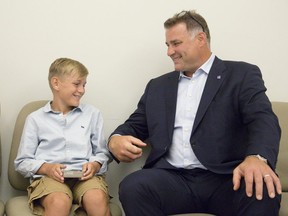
column 62, row 139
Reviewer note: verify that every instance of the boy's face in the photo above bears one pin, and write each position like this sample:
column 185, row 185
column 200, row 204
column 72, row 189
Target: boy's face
column 70, row 89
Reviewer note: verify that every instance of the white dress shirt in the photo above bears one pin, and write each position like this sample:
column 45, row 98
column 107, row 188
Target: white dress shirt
column 190, row 90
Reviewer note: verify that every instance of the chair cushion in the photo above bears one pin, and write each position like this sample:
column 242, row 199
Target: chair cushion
column 284, row 206
column 19, row 206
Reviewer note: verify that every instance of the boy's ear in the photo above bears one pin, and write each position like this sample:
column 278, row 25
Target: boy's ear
column 55, row 83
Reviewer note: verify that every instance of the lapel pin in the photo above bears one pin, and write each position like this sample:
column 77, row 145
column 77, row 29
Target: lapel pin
column 219, row 77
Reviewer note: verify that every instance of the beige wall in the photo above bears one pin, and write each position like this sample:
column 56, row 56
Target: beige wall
column 122, row 44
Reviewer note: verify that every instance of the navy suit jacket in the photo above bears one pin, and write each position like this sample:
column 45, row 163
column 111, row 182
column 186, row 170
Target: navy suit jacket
column 234, row 118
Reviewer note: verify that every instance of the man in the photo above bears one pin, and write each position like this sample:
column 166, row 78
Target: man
column 214, row 137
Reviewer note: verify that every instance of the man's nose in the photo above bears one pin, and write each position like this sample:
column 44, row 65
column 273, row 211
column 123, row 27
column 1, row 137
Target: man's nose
column 170, row 51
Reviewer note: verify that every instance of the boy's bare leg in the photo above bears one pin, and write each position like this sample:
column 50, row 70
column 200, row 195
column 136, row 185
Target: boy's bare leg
column 56, row 203
column 96, row 203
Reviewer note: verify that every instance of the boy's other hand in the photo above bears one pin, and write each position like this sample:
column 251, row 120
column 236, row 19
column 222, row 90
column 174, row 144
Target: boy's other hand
column 90, row 169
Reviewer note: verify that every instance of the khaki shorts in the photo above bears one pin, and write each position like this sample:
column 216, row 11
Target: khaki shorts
column 74, row 188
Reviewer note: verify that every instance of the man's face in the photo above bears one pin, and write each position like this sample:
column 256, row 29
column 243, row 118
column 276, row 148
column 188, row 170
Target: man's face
column 182, row 48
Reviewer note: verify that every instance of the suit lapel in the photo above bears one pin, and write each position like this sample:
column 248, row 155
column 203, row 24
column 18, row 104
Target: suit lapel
column 171, row 101
column 213, row 83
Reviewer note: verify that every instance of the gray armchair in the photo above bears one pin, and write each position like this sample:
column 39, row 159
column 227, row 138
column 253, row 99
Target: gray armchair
column 281, row 110
column 19, row 205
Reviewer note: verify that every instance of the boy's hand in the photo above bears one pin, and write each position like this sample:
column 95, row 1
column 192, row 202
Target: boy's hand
column 90, row 169
column 54, row 171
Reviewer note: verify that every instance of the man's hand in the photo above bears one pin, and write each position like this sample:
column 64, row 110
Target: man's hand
column 256, row 171
column 54, row 171
column 126, row 148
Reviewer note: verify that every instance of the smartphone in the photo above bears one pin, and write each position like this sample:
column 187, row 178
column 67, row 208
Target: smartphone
column 73, row 173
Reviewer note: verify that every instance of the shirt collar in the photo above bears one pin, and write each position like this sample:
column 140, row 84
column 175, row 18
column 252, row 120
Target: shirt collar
column 47, row 108
column 204, row 68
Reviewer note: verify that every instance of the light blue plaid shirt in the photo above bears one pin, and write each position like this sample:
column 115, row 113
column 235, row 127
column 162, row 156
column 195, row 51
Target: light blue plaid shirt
column 72, row 139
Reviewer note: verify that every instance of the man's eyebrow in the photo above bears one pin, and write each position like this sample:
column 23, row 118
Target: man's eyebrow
column 173, row 41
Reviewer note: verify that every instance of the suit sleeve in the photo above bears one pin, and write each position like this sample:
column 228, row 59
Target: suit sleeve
column 136, row 124
column 262, row 124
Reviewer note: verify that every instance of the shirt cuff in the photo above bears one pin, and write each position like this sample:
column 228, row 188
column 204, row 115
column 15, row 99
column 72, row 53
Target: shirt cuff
column 259, row 157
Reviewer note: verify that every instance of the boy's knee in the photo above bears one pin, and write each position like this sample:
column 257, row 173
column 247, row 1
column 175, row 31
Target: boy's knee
column 95, row 196
column 57, row 200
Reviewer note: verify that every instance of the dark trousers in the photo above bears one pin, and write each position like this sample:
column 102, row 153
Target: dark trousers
column 157, row 192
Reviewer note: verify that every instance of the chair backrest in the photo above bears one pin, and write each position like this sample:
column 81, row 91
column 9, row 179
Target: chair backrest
column 16, row 180
column 0, row 157
column 281, row 110
column 0, row 147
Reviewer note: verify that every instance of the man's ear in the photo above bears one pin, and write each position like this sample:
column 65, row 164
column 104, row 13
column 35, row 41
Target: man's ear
column 202, row 37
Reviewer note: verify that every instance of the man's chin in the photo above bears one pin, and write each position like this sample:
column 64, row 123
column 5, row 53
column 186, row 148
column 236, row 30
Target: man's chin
column 177, row 68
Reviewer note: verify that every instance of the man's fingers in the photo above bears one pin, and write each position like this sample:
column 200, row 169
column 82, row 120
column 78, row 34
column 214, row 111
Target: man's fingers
column 137, row 142
column 135, row 146
column 249, row 184
column 133, row 153
column 126, row 159
column 258, row 179
column 134, row 149
column 272, row 181
column 278, row 185
column 236, row 179
column 270, row 185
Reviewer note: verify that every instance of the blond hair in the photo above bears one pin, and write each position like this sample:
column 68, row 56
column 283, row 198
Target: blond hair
column 66, row 66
